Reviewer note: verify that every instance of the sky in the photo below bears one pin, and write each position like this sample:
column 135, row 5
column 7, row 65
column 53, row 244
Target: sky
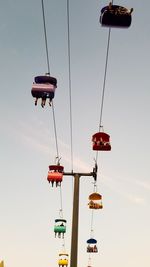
column 28, row 204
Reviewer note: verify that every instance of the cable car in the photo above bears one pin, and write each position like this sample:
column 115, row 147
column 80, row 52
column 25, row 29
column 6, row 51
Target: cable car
column 44, row 87
column 60, row 227
column 95, row 201
column 55, row 174
column 63, row 259
column 101, row 141
column 92, row 248
column 115, row 16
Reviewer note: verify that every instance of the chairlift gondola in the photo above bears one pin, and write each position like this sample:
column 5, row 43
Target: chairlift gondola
column 44, row 87
column 92, row 247
column 60, row 227
column 63, row 259
column 115, row 16
column 101, row 141
column 95, row 201
column 55, row 174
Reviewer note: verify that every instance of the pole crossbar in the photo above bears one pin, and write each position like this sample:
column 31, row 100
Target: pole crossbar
column 79, row 174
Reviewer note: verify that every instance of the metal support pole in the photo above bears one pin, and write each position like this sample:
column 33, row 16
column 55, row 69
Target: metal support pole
column 75, row 216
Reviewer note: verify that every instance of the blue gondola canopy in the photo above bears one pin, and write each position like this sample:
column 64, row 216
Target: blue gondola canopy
column 91, row 241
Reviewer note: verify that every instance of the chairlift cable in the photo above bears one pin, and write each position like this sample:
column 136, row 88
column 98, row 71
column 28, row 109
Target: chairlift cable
column 70, row 84
column 92, row 219
column 55, row 130
column 104, row 85
column 61, row 215
column 45, row 36
column 104, row 81
column 61, row 206
column 89, row 260
column 92, row 212
column 48, row 67
column 53, row 111
column 105, row 76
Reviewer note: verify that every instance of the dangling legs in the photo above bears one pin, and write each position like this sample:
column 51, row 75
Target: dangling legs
column 131, row 10
column 50, row 102
column 43, row 102
column 36, row 100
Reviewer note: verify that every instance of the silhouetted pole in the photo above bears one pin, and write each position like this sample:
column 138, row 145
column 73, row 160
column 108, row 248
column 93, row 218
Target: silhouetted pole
column 75, row 214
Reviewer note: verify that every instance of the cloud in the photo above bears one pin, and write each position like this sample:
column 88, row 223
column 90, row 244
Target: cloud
column 136, row 199
column 120, row 188
column 35, row 143
column 39, row 138
column 143, row 184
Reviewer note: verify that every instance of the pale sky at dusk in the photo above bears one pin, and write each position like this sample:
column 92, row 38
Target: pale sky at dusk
column 28, row 204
